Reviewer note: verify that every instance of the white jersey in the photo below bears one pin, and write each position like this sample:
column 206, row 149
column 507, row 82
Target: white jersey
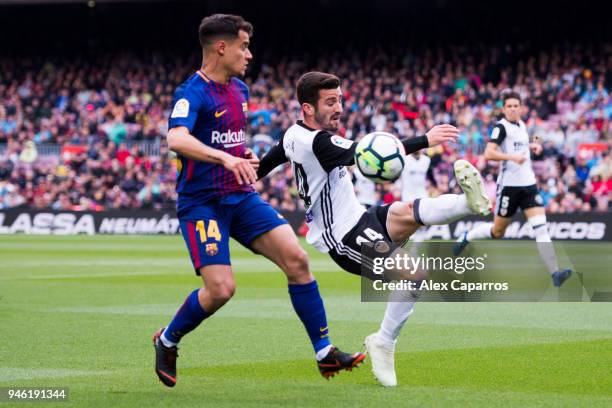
column 513, row 138
column 324, row 183
column 365, row 189
column 414, row 177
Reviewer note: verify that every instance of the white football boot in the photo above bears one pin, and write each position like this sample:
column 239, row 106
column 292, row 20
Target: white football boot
column 382, row 356
column 472, row 185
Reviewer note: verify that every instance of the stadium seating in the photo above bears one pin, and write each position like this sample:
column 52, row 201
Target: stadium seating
column 89, row 135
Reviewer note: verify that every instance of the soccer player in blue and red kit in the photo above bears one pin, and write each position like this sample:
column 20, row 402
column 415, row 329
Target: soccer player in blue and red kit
column 216, row 200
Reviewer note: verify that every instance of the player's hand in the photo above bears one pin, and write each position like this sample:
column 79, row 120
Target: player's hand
column 518, row 158
column 442, row 134
column 242, row 169
column 252, row 158
column 536, row 148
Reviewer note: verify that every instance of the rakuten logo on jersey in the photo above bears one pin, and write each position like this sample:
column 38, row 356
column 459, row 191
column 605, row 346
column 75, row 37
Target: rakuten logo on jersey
column 229, row 138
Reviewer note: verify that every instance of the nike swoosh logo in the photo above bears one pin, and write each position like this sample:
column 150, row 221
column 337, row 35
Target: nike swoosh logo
column 233, row 144
column 168, row 376
column 219, row 114
column 322, row 329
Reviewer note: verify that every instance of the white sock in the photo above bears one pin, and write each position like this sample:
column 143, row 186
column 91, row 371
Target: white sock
column 165, row 340
column 416, row 241
column 482, row 231
column 321, row 354
column 441, row 210
column 399, row 308
column 544, row 243
column 419, row 235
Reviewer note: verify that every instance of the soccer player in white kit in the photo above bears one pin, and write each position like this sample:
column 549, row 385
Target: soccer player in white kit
column 516, row 187
column 338, row 224
column 414, row 185
column 365, row 189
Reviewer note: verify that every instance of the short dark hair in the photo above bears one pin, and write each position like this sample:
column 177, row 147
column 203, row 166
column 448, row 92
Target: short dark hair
column 219, row 25
column 510, row 95
column 311, row 83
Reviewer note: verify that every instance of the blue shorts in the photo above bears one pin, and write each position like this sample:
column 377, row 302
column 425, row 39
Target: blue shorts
column 207, row 228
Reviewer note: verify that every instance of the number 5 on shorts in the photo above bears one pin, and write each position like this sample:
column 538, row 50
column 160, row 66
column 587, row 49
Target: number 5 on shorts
column 211, row 232
column 505, row 201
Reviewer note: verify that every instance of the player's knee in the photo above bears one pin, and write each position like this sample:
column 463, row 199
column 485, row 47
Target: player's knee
column 299, row 260
column 296, row 264
column 223, row 292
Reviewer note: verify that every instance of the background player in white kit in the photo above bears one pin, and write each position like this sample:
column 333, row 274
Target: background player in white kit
column 365, row 189
column 414, row 185
column 337, row 223
column 516, row 187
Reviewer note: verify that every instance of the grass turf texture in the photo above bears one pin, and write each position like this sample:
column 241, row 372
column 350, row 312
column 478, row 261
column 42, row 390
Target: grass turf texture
column 79, row 312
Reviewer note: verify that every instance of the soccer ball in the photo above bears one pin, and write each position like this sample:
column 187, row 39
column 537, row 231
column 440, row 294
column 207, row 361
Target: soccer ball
column 380, row 157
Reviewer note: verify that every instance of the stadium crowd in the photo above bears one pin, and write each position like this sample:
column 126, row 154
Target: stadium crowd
column 107, row 109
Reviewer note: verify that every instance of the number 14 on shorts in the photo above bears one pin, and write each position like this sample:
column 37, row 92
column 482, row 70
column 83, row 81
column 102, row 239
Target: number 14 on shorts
column 372, row 235
column 208, row 229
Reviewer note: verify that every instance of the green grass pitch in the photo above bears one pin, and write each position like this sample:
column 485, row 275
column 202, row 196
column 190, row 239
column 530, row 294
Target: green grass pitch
column 79, row 312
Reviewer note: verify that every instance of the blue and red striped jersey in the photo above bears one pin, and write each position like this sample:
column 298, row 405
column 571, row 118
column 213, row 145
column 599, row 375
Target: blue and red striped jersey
column 216, row 114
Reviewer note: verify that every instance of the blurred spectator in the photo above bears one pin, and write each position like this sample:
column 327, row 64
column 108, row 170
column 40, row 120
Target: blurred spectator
column 112, row 110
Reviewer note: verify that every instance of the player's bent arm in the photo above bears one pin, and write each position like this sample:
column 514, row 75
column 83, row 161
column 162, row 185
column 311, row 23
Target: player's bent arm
column 275, row 157
column 437, row 135
column 182, row 142
column 415, row 144
column 442, row 134
column 333, row 151
column 492, row 152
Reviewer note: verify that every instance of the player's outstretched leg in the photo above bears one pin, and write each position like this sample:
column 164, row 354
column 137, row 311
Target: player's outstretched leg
column 471, row 183
column 405, row 218
column 199, row 305
column 188, row 317
column 380, row 346
column 451, row 207
column 537, row 219
column 281, row 246
column 165, row 340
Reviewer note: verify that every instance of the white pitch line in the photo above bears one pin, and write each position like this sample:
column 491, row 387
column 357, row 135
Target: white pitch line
column 82, row 246
column 149, row 267
column 19, row 264
column 349, row 308
column 14, row 373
